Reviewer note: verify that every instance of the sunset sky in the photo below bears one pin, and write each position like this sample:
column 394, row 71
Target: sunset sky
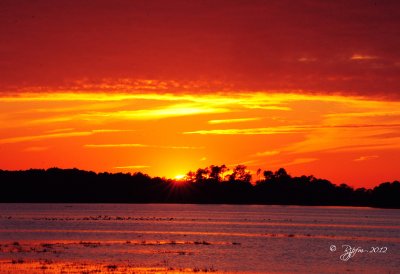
column 165, row 87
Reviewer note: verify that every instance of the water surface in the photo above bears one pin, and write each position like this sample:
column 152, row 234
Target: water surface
column 193, row 238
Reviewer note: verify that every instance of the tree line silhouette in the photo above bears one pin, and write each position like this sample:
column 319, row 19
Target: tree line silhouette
column 213, row 184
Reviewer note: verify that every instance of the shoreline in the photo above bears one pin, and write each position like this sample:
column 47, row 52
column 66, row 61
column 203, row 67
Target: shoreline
column 209, row 204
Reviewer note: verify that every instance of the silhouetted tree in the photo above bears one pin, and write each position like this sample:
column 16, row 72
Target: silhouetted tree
column 203, row 186
column 240, row 174
column 202, row 174
column 258, row 173
column 281, row 175
column 191, row 177
column 386, row 195
column 268, row 175
column 217, row 171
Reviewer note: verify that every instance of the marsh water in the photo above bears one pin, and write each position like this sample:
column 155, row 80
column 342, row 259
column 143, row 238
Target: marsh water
column 199, row 238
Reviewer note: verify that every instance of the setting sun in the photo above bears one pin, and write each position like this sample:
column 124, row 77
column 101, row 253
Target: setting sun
column 180, row 177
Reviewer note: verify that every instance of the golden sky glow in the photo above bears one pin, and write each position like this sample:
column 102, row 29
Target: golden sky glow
column 343, row 138
column 168, row 86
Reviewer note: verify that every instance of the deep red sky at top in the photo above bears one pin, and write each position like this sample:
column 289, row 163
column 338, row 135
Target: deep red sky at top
column 309, row 85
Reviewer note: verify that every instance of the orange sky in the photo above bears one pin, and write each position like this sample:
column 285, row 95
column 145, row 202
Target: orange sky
column 167, row 87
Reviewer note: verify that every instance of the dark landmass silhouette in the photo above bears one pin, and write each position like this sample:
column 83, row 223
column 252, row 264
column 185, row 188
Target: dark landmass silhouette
column 207, row 185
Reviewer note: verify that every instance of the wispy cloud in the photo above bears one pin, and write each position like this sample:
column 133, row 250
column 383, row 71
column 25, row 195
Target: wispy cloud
column 59, row 130
column 376, row 113
column 347, row 138
column 365, row 158
column 361, row 57
column 299, row 161
column 132, row 167
column 39, row 137
column 43, row 137
column 266, row 107
column 296, row 161
column 249, row 162
column 139, row 145
column 267, row 153
column 251, row 131
column 114, row 145
column 236, row 120
column 307, row 59
column 157, row 113
column 283, row 129
column 107, row 107
column 111, row 130
column 264, row 100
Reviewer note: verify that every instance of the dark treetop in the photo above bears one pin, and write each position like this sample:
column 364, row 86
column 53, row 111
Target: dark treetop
column 208, row 185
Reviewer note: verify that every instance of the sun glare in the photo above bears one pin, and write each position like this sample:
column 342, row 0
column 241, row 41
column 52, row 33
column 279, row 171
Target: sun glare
column 179, row 177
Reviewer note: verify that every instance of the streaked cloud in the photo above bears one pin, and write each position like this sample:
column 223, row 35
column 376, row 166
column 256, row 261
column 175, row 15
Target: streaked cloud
column 249, row 162
column 267, row 153
column 250, row 131
column 169, row 111
column 59, row 130
column 40, row 137
column 138, row 145
column 114, row 145
column 291, row 162
column 111, row 130
column 299, row 161
column 132, row 167
column 362, row 57
column 341, row 139
column 236, row 120
column 20, row 139
column 266, row 107
column 284, row 129
column 307, row 59
column 354, row 125
column 377, row 113
column 365, row 158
